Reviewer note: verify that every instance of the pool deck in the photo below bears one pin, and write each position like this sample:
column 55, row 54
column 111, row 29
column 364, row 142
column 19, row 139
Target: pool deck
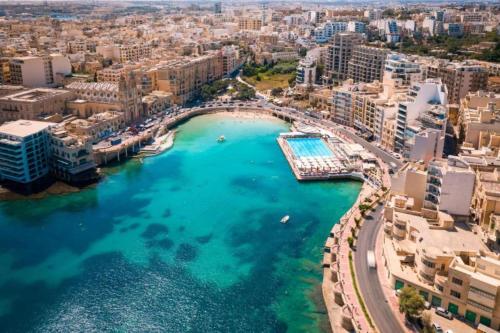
column 314, row 174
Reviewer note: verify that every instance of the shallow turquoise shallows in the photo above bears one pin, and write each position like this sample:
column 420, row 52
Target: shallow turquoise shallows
column 188, row 241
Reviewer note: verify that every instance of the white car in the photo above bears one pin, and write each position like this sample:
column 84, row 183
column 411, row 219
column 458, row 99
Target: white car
column 437, row 328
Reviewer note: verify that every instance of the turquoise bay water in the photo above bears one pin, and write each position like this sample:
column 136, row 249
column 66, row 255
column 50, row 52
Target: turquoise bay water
column 188, row 241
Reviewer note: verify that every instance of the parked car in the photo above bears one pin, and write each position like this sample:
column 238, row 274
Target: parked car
column 437, row 328
column 444, row 313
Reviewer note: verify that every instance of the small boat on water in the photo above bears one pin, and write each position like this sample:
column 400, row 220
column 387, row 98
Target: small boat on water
column 285, row 219
column 221, row 138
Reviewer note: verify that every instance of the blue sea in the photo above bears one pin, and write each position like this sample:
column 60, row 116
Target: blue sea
column 188, row 241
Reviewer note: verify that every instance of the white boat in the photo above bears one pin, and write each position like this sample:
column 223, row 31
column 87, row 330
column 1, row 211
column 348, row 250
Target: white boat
column 285, row 219
column 221, row 138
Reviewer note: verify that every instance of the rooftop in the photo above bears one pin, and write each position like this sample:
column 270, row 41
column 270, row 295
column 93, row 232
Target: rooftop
column 23, row 128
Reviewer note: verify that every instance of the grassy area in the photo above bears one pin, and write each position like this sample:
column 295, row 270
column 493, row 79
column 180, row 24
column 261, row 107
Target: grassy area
column 269, row 76
column 358, row 294
column 269, row 81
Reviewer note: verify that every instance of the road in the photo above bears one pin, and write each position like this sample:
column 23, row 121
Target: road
column 368, row 280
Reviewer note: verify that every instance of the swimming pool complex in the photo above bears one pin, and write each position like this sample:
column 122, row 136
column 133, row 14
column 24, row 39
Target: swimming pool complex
column 309, row 147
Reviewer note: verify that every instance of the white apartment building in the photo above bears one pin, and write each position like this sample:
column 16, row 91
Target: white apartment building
column 425, row 108
column 450, row 186
column 306, row 72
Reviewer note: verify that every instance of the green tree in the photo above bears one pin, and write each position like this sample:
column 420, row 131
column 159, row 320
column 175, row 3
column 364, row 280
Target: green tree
column 410, row 302
column 302, row 52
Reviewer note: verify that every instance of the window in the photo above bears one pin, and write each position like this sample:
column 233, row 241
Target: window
column 457, row 281
column 454, row 293
column 428, row 263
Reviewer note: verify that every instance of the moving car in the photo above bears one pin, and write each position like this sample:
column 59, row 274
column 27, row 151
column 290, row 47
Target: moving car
column 370, row 258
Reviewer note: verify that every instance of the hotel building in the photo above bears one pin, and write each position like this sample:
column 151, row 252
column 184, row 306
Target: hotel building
column 24, row 152
column 367, row 63
column 338, row 56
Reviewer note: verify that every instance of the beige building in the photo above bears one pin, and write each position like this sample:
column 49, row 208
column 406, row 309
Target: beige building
column 184, row 77
column 38, row 71
column 478, row 119
column 339, row 54
column 34, row 104
column 486, row 206
column 96, row 97
column 367, row 64
column 157, row 101
column 460, row 78
column 249, row 23
column 423, row 252
column 98, row 126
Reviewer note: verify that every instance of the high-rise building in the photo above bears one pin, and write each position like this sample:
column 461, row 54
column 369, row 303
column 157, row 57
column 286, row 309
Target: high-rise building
column 367, row 63
column 338, row 56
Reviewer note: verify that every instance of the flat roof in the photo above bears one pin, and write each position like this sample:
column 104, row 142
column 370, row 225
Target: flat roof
column 23, row 128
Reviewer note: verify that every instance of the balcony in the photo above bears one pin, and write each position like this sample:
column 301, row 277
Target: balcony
column 432, row 199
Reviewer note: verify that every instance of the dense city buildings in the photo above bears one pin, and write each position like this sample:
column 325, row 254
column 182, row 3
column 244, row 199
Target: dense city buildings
column 404, row 98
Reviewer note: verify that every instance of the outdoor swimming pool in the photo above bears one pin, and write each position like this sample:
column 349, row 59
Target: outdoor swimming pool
column 309, row 147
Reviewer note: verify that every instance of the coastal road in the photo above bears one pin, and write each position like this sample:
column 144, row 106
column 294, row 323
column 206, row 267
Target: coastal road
column 368, row 280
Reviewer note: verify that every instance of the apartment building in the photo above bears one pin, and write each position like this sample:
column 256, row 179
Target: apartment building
column 184, row 77
column 157, row 101
column 423, row 252
column 70, row 157
column 449, row 186
column 401, row 70
column 38, row 71
column 306, row 72
column 115, row 72
column 97, row 127
column 338, row 56
column 125, row 52
column 425, row 108
column 367, row 63
column 478, row 119
column 34, row 104
column 460, row 78
column 249, row 23
column 230, row 61
column 329, row 29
